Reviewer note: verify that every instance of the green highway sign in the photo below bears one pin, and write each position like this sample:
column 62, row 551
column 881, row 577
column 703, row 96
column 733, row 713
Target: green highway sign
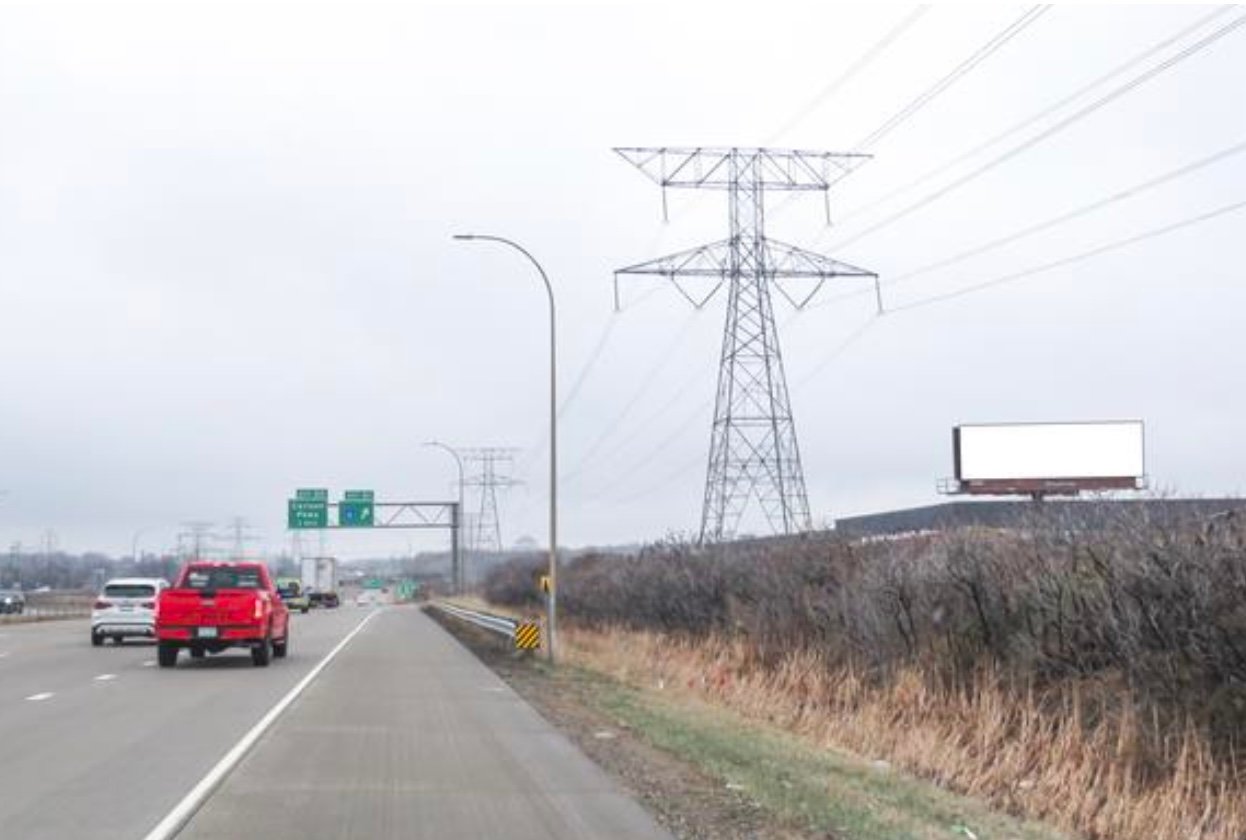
column 359, row 496
column 354, row 514
column 311, row 495
column 305, row 513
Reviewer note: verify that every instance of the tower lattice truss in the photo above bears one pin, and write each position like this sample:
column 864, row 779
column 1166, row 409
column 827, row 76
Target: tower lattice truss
column 753, row 452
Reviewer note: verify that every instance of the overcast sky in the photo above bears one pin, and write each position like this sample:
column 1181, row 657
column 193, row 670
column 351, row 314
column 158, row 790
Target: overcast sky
column 226, row 266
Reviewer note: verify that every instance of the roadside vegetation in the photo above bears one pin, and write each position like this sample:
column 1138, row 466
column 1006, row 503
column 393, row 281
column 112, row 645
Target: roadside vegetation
column 1094, row 678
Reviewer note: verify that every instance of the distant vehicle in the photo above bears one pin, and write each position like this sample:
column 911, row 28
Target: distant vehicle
column 126, row 607
column 215, row 606
column 12, row 602
column 319, row 576
column 291, row 592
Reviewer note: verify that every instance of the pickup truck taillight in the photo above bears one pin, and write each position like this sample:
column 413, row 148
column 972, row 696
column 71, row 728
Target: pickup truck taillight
column 101, row 604
column 259, row 609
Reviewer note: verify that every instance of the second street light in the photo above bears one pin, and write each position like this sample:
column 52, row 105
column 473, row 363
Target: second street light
column 552, row 600
column 460, row 581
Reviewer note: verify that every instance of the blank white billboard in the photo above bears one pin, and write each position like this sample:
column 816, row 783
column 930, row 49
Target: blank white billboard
column 1050, row 451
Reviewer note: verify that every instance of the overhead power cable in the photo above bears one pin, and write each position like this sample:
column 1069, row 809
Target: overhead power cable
column 1041, row 115
column 998, row 40
column 865, row 60
column 1084, row 210
column 1075, row 258
column 958, row 72
column 646, row 382
column 1051, row 131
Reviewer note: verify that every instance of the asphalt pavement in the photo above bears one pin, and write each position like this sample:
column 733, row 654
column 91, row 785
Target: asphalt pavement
column 100, row 743
column 407, row 735
column 404, row 734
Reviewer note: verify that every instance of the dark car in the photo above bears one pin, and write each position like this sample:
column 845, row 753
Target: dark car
column 12, row 601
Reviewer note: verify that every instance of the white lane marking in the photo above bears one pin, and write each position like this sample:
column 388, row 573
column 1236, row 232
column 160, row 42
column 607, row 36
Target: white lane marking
column 150, row 663
column 176, row 819
column 105, row 677
column 42, row 696
column 4, row 654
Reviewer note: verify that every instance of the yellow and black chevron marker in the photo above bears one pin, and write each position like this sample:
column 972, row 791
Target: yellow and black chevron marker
column 528, row 636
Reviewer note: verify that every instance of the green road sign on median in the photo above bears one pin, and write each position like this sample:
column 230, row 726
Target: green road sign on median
column 304, row 513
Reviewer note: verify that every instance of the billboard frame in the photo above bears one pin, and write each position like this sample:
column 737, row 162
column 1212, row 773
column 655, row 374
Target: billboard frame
column 1034, row 487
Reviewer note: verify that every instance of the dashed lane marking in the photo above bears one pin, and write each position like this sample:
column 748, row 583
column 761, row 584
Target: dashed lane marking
column 42, row 696
column 105, row 677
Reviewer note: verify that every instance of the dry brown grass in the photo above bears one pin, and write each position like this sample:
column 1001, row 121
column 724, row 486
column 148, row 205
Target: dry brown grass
column 1076, row 756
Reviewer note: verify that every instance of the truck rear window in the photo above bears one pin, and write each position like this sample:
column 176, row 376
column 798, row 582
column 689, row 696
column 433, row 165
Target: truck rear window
column 222, row 579
column 129, row 590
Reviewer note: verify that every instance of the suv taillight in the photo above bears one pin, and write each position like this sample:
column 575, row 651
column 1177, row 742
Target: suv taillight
column 101, row 604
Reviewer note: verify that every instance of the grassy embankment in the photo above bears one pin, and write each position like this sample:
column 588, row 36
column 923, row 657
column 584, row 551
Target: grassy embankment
column 1093, row 680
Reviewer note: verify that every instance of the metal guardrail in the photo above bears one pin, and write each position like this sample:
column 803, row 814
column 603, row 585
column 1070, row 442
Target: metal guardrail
column 523, row 634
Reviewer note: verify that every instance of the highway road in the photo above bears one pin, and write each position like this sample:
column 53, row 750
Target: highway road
column 404, row 734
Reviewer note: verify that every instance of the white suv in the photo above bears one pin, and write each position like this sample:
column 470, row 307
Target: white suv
column 126, row 607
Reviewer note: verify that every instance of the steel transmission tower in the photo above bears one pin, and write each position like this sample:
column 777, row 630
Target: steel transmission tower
column 492, row 463
column 753, row 451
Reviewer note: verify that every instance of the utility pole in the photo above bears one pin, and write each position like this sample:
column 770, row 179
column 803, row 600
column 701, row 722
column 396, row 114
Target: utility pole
column 492, row 462
column 753, row 451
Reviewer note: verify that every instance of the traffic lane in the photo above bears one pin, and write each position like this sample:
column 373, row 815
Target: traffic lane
column 437, row 747
column 49, row 656
column 107, row 759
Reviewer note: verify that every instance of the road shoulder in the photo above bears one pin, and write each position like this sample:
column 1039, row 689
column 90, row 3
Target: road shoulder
column 707, row 773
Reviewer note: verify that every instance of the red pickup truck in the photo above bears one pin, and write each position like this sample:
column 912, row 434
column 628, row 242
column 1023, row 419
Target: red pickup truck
column 214, row 606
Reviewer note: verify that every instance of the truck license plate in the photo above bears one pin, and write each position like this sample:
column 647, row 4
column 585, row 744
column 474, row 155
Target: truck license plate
column 206, row 632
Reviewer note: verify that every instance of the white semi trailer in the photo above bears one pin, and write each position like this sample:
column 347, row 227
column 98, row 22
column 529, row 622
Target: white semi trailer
column 320, row 581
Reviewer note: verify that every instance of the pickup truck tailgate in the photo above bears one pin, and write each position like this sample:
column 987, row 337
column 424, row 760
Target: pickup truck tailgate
column 209, row 608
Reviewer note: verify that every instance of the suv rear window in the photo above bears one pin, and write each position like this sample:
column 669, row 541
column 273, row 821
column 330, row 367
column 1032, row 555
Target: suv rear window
column 224, row 578
column 129, row 590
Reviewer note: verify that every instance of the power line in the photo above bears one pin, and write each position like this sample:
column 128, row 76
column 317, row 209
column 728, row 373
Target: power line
column 992, row 45
column 1034, row 118
column 1076, row 258
column 853, row 70
column 1051, row 131
column 647, row 381
column 1122, row 195
column 835, row 353
column 958, row 72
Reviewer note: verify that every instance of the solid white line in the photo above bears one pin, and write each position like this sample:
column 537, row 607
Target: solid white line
column 176, row 819
column 43, row 696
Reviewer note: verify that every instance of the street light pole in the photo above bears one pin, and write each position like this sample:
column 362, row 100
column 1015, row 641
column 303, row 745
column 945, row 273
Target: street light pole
column 552, row 600
column 461, row 572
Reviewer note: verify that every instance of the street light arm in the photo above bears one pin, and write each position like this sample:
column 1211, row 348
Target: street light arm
column 484, row 237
